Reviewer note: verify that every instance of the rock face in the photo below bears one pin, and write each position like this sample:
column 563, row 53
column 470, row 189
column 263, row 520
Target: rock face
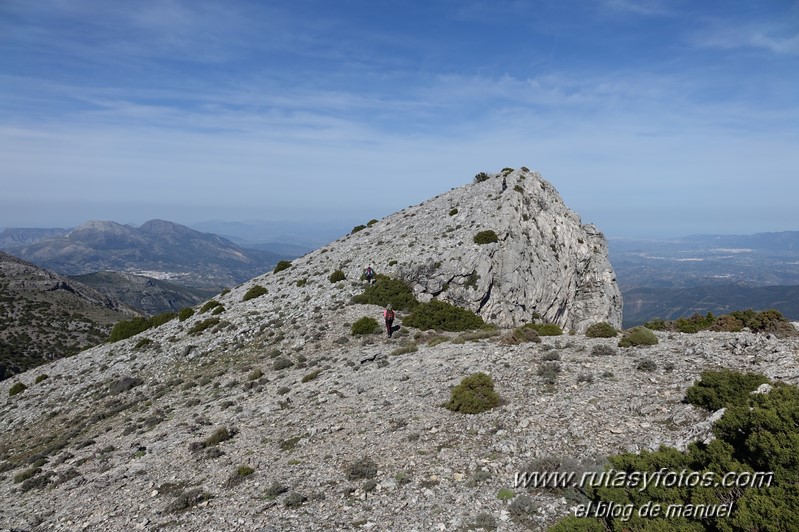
column 545, row 261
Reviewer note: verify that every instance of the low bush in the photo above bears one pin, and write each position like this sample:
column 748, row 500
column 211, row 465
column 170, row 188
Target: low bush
column 17, row 388
column 545, row 329
column 282, row 265
column 41, row 378
column 549, row 371
column 365, row 325
column 362, row 469
column 473, row 395
column 337, row 276
column 638, row 336
column 255, row 291
column 219, row 435
column 357, row 228
column 646, row 364
column 521, row 335
column 716, row 389
column 311, row 376
column 453, row 212
column 486, row 237
column 200, row 326
column 603, row 350
column 371, row 222
column 185, row 313
column 442, row 316
column 404, row 349
column 127, row 328
column 282, row 363
column 387, row 291
column 209, row 305
column 480, row 177
column 601, row 330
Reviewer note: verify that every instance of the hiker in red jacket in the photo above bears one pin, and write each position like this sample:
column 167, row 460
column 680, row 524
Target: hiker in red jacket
column 388, row 314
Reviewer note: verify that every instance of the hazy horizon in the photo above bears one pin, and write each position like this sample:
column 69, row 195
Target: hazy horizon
column 652, row 118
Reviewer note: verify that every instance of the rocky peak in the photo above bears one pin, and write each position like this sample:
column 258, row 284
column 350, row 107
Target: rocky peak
column 544, row 261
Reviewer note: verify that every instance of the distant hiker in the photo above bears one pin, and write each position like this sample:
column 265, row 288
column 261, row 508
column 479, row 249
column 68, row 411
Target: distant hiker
column 369, row 273
column 504, row 185
column 388, row 314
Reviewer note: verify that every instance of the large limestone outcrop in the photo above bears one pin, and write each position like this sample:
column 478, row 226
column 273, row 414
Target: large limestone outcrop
column 545, row 261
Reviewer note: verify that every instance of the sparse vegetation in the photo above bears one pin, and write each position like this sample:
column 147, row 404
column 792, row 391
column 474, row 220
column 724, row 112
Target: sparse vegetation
column 255, row 291
column 521, row 335
column 473, row 395
column 603, row 350
column 200, row 326
column 219, row 435
column 486, row 237
column 767, row 321
column 365, row 325
column 404, row 349
column 209, row 305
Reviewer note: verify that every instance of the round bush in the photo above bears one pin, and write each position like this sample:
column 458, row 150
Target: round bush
column 486, row 237
column 337, row 276
column 473, row 395
column 638, row 336
column 601, row 330
column 282, row 265
column 185, row 313
column 365, row 325
column 255, row 291
column 387, row 291
column 17, row 388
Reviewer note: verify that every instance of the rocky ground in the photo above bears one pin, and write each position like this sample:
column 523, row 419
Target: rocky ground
column 335, row 443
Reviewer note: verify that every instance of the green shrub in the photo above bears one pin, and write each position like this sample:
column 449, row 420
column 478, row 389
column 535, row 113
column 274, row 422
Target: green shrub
column 638, row 336
column 727, row 323
column 255, row 291
column 549, row 371
column 337, row 276
column 767, row 321
column 362, row 469
column 127, row 328
column 244, row 471
column 545, row 329
column 603, row 350
column 387, row 291
column 442, row 316
column 480, row 177
column 695, row 323
column 200, row 326
column 255, row 374
column 142, row 343
column 209, row 305
column 16, row 388
column 185, row 313
column 282, row 363
column 646, row 364
column 473, row 395
column 357, row 228
column 371, row 222
column 758, row 437
column 657, row 325
column 40, row 378
column 518, row 188
column 312, row 375
column 365, row 325
column 282, row 265
column 486, row 237
column 453, row 212
column 294, row 499
column 302, row 282
column 601, row 330
column 718, row 389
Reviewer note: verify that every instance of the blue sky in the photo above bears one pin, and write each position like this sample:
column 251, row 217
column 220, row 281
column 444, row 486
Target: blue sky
column 652, row 118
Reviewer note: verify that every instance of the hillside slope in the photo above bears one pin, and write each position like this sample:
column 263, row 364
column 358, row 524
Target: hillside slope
column 44, row 316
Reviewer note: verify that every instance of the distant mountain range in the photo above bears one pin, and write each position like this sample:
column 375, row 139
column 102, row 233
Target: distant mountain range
column 45, row 316
column 707, row 273
column 158, row 249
